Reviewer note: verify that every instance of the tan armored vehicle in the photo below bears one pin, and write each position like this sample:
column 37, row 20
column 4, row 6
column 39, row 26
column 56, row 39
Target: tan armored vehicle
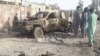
column 44, row 22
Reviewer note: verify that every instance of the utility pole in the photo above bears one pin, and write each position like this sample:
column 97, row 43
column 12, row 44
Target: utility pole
column 7, row 7
column 18, row 5
column 7, row 14
column 7, row 2
column 20, row 9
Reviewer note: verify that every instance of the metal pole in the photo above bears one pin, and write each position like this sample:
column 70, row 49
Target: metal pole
column 20, row 9
column 7, row 14
column 7, row 2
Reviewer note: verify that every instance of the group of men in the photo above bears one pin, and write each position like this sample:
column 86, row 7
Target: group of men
column 86, row 21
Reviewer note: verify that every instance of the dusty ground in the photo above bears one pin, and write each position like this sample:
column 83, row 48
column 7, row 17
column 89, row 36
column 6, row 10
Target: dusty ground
column 14, row 44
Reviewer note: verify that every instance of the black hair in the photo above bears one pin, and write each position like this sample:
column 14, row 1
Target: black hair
column 78, row 7
column 86, row 9
column 91, row 10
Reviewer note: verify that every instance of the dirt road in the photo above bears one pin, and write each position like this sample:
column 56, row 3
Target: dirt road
column 14, row 44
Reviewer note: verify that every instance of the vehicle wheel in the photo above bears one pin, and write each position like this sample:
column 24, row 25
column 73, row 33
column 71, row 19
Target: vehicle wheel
column 38, row 33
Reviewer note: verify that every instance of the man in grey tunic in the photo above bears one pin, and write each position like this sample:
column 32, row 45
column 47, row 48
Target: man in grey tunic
column 84, row 23
column 76, row 20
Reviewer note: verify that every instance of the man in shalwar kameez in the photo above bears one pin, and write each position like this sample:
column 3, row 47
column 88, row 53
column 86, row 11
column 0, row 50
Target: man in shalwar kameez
column 76, row 20
column 92, row 20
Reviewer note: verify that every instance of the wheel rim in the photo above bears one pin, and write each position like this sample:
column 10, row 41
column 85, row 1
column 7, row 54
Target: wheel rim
column 38, row 33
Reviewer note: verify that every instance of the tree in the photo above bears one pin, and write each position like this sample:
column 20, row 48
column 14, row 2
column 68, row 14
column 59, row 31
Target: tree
column 95, row 4
column 81, row 4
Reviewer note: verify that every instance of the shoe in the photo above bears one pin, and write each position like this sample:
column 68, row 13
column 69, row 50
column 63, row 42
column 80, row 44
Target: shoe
column 71, row 34
column 90, row 45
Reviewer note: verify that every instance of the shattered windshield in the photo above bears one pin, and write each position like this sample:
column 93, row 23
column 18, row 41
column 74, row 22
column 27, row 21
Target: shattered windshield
column 41, row 14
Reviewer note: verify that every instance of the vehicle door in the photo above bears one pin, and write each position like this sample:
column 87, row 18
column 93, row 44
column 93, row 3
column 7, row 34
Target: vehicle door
column 53, row 21
column 63, row 21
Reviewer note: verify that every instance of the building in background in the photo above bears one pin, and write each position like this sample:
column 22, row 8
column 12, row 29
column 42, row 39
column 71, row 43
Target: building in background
column 42, row 7
column 37, row 7
column 9, row 8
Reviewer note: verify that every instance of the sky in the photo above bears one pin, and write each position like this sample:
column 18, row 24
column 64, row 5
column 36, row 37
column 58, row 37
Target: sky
column 64, row 4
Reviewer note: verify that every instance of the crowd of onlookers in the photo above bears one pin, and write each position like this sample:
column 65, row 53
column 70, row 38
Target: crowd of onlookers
column 86, row 21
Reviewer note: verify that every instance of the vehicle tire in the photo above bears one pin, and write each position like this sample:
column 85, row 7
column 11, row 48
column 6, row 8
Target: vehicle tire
column 38, row 33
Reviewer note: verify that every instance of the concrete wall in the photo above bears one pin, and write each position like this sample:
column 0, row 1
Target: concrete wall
column 7, row 13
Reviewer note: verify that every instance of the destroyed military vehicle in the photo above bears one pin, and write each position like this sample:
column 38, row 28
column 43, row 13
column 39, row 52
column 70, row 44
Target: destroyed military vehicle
column 43, row 22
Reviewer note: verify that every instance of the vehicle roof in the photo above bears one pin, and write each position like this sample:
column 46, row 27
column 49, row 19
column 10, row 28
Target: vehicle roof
column 50, row 11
